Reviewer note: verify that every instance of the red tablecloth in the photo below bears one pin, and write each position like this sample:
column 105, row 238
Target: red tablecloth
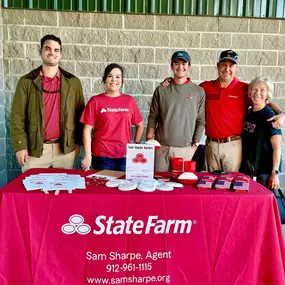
column 183, row 237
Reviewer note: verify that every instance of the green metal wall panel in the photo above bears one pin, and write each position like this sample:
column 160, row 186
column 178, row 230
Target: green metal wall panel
column 241, row 8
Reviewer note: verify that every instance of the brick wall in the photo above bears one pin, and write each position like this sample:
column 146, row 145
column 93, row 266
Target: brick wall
column 143, row 44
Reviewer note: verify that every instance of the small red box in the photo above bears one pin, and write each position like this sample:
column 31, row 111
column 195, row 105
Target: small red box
column 223, row 182
column 241, row 184
column 206, row 182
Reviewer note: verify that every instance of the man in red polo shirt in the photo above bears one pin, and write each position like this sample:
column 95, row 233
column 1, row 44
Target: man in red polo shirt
column 226, row 106
column 47, row 106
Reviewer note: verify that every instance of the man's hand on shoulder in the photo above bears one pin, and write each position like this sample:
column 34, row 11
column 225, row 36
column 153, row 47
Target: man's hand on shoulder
column 277, row 121
column 166, row 82
column 22, row 156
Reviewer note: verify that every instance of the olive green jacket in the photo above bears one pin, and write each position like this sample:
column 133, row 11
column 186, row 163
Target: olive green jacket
column 27, row 114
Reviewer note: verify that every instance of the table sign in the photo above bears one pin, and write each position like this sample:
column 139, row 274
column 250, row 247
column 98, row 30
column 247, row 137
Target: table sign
column 140, row 161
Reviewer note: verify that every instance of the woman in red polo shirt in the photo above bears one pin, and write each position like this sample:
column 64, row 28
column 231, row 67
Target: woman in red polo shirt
column 111, row 115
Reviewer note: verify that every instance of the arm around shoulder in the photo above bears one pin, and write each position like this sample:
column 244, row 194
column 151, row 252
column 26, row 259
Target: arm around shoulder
column 278, row 120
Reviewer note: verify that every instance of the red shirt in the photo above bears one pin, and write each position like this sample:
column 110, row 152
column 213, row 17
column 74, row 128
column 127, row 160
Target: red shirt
column 225, row 108
column 51, row 106
column 112, row 118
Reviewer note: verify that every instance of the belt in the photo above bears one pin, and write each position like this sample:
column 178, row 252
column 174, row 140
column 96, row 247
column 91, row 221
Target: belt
column 51, row 141
column 225, row 140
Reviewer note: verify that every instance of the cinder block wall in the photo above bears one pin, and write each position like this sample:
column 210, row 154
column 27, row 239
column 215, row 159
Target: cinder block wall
column 143, row 44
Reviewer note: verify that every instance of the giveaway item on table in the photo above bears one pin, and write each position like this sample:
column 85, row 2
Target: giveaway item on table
column 54, row 182
column 206, row 182
column 143, row 185
column 177, row 164
column 189, row 166
column 140, row 161
column 241, row 183
column 175, row 184
column 187, row 178
column 146, row 187
column 223, row 182
column 127, row 186
column 164, row 187
column 114, row 182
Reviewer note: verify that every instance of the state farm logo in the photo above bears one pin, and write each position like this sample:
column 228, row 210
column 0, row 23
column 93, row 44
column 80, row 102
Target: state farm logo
column 114, row 110
column 76, row 225
column 112, row 226
column 139, row 158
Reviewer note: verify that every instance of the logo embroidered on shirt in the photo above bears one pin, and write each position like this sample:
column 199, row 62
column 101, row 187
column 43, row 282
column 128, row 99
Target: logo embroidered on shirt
column 249, row 127
column 232, row 96
column 114, row 110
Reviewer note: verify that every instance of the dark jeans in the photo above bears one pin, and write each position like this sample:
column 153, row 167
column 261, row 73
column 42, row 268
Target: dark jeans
column 263, row 179
column 106, row 163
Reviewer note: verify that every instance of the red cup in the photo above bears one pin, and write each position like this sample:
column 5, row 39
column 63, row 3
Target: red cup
column 177, row 164
column 189, row 166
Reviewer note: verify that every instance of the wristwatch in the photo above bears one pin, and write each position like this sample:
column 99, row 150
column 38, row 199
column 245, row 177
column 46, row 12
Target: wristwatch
column 274, row 171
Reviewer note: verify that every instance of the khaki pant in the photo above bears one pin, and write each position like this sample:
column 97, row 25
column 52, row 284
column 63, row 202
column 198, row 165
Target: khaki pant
column 164, row 155
column 224, row 156
column 52, row 157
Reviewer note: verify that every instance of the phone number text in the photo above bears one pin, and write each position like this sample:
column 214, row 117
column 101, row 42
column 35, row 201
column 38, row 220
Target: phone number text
column 128, row 267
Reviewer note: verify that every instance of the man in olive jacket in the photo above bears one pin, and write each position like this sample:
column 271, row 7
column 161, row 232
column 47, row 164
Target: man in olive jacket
column 46, row 109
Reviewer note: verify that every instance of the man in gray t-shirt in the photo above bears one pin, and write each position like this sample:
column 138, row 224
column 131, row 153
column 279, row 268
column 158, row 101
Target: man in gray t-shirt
column 177, row 115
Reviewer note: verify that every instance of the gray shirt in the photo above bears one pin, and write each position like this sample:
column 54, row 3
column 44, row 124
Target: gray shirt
column 177, row 113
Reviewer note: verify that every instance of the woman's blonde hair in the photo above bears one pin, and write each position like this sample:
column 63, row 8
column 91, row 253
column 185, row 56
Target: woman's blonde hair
column 262, row 79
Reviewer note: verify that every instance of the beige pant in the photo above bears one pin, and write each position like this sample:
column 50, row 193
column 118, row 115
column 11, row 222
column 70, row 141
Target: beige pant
column 224, row 156
column 52, row 156
column 164, row 155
